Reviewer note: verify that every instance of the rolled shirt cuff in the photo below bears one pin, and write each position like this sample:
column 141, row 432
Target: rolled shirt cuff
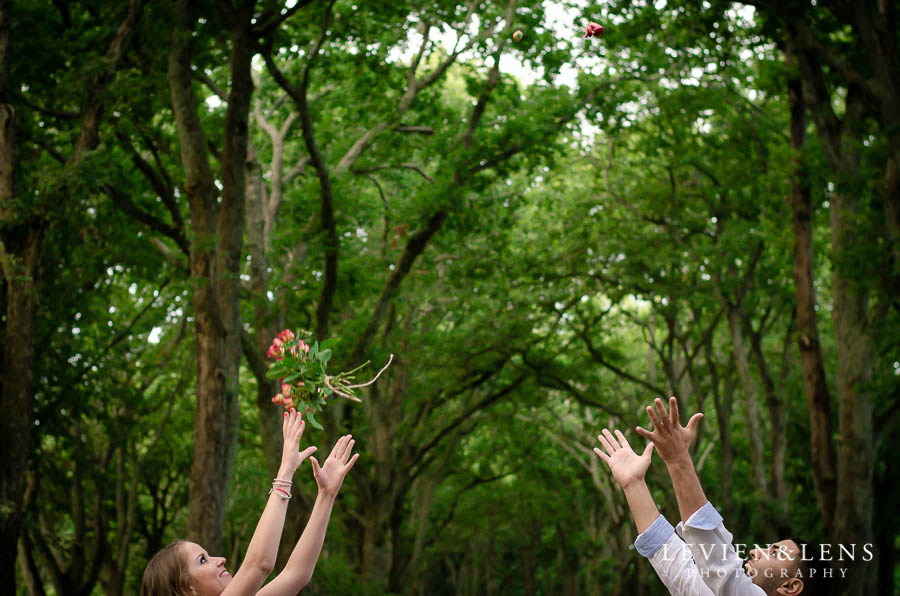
column 705, row 518
column 653, row 538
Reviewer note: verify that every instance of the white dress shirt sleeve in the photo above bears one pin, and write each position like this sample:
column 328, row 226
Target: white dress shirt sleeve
column 671, row 558
column 717, row 561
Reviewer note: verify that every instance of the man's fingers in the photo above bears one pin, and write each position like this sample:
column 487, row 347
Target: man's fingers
column 661, row 412
column 694, row 421
column 622, row 440
column 612, row 440
column 673, row 411
column 654, row 418
column 602, row 455
column 674, row 414
column 606, row 444
column 644, row 432
column 315, row 466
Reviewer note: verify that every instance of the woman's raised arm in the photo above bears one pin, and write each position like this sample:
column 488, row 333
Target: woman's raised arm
column 263, row 548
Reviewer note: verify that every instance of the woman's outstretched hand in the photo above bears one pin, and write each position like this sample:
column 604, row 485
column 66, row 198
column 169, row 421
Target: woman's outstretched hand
column 291, row 457
column 330, row 476
column 627, row 467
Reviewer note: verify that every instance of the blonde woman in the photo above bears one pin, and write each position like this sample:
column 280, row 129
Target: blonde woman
column 184, row 568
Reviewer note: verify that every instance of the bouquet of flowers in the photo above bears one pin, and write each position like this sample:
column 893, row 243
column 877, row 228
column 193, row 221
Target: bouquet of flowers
column 305, row 384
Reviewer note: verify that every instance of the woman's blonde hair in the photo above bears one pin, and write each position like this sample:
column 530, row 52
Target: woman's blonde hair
column 167, row 573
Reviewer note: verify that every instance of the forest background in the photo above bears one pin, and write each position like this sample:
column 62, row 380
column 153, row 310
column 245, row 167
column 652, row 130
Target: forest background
column 547, row 234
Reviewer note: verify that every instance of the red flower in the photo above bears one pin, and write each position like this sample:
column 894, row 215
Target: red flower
column 287, row 335
column 593, row 29
column 278, row 399
column 275, row 350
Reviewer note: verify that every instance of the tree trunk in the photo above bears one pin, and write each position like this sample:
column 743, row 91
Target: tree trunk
column 20, row 270
column 855, row 451
column 723, row 397
column 777, row 409
column 19, row 252
column 751, row 396
column 20, row 249
column 818, row 398
column 267, row 319
column 216, row 244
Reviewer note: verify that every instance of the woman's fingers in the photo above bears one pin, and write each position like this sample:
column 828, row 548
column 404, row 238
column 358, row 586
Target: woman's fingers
column 348, row 451
column 300, row 424
column 602, row 455
column 344, row 453
column 338, row 448
column 308, row 452
column 352, row 461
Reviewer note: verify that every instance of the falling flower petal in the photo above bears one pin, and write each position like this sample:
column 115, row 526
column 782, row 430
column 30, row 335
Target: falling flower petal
column 593, row 29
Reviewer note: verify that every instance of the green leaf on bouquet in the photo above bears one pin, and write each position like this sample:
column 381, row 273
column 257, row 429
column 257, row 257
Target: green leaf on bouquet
column 328, row 343
column 324, row 356
column 276, row 371
column 312, row 421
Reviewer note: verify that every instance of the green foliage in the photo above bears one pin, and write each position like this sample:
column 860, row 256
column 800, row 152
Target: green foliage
column 595, row 229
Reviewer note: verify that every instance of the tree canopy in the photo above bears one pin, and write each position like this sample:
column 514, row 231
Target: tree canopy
column 546, row 234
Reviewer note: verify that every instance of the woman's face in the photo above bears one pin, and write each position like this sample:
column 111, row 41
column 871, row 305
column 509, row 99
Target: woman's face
column 208, row 574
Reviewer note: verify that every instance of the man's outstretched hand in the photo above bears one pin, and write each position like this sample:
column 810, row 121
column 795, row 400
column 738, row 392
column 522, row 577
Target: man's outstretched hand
column 627, row 467
column 671, row 439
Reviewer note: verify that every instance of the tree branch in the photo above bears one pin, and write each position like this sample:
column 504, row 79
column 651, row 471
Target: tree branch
column 404, row 166
column 414, row 247
column 599, row 359
column 128, row 207
column 484, row 403
column 327, row 222
column 269, row 23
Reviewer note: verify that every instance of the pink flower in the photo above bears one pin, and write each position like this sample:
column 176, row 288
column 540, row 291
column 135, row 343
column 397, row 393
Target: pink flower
column 287, row 390
column 275, row 350
column 593, row 29
column 303, row 345
column 287, row 335
column 288, row 403
column 278, row 399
